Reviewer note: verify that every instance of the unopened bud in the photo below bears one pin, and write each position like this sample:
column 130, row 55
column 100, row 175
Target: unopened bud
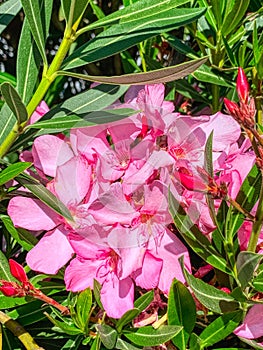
column 18, row 271
column 188, row 180
column 10, row 289
column 242, row 86
column 232, row 107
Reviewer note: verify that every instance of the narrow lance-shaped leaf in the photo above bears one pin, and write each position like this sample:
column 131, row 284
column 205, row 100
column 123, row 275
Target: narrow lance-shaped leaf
column 44, row 195
column 73, row 9
column 220, row 328
column 34, row 12
column 153, row 77
column 246, row 265
column 148, row 336
column 12, row 171
column 142, row 9
column 232, row 19
column 192, row 235
column 181, row 311
column 107, row 334
column 14, row 102
column 124, row 35
column 8, row 11
column 212, row 298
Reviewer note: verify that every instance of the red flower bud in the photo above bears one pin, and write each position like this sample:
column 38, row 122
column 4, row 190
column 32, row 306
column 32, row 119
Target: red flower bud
column 242, row 86
column 9, row 289
column 232, row 107
column 18, row 271
column 188, row 180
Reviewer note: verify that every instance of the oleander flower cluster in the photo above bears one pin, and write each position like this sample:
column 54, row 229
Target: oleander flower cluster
column 115, row 180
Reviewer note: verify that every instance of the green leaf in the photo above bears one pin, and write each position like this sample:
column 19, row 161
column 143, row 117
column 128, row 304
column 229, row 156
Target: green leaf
column 93, row 118
column 194, row 343
column 220, row 328
column 232, row 19
column 246, row 265
column 148, row 336
column 122, row 36
column 181, row 311
column 73, row 10
column 107, row 334
column 123, row 345
column 44, row 195
column 205, row 74
column 141, row 10
column 247, row 197
column 212, row 298
column 23, row 237
column 258, row 281
column 8, row 10
column 12, row 171
column 6, row 77
column 83, row 307
column 127, row 318
column 153, row 77
column 14, row 102
column 144, row 301
column 197, row 241
column 96, row 290
column 63, row 327
column 73, row 344
column 38, row 16
column 5, row 273
column 209, row 14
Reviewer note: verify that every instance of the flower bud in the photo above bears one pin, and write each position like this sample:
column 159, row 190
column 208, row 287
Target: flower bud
column 242, row 86
column 231, row 106
column 9, row 289
column 188, row 180
column 17, row 271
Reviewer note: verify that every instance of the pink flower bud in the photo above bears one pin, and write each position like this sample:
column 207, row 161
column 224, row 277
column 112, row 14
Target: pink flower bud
column 188, row 180
column 9, row 289
column 242, row 86
column 232, row 107
column 18, row 271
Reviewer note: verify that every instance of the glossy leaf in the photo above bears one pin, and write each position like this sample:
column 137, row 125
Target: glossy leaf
column 205, row 74
column 73, row 9
column 126, row 318
column 181, row 311
column 6, row 77
column 197, row 241
column 38, row 13
column 220, row 328
column 63, row 326
column 122, row 36
column 14, row 102
column 247, row 197
column 141, row 10
column 107, row 334
column 12, row 171
column 148, row 336
column 44, row 195
column 93, row 118
column 96, row 290
column 8, row 11
column 209, row 14
column 153, row 77
column 123, row 345
column 212, row 298
column 144, row 301
column 83, row 307
column 246, row 265
column 23, row 237
column 232, row 19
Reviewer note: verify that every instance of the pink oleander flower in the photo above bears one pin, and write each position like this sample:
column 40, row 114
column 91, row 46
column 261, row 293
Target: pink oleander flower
column 41, row 110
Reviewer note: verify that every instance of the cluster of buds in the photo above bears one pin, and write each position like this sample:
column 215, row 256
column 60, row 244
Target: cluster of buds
column 25, row 288
column 202, row 182
column 244, row 112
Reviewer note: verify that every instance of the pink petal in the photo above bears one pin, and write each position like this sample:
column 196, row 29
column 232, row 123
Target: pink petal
column 148, row 276
column 170, row 250
column 72, row 181
column 80, row 274
column 117, row 296
column 49, row 152
column 51, row 253
column 32, row 214
column 251, row 327
column 41, row 110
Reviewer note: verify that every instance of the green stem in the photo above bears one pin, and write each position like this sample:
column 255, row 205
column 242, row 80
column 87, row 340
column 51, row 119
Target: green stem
column 257, row 225
column 44, row 85
column 25, row 338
